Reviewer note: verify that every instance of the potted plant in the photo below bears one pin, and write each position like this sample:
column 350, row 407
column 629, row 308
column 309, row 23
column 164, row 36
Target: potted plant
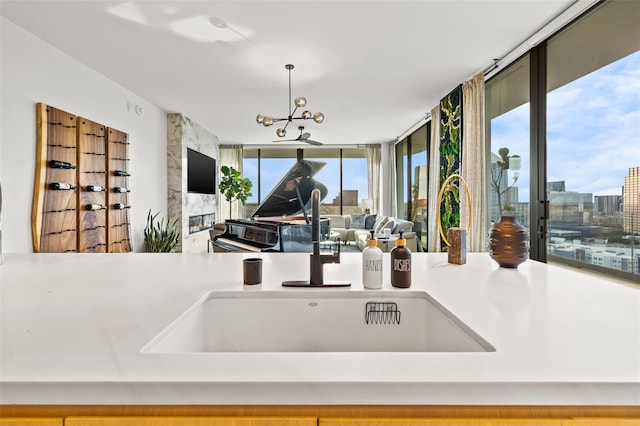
column 233, row 186
column 161, row 237
column 503, row 164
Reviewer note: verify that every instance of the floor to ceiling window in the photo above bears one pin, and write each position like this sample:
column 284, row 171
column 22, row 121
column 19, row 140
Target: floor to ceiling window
column 345, row 176
column 329, row 174
column 343, row 171
column 507, row 128
column 593, row 139
column 573, row 105
column 264, row 168
column 402, row 177
column 355, row 182
column 411, row 180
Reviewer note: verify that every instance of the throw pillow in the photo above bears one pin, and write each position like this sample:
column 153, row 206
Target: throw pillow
column 369, row 221
column 357, row 221
column 377, row 222
column 377, row 227
column 403, row 225
column 390, row 224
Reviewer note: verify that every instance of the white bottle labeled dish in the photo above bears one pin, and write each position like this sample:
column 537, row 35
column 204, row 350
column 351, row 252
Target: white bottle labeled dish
column 372, row 264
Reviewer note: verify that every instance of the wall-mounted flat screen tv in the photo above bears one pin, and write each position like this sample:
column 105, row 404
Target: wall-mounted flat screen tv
column 201, row 173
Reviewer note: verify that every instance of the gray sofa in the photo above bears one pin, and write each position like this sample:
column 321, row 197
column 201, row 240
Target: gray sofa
column 357, row 229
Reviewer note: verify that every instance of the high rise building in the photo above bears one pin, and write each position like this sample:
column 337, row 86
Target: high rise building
column 607, row 205
column 557, row 186
column 631, row 202
column 349, row 198
column 570, row 208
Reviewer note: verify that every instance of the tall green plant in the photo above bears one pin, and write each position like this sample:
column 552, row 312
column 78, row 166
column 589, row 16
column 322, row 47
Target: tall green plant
column 234, row 187
column 450, row 145
column 161, row 237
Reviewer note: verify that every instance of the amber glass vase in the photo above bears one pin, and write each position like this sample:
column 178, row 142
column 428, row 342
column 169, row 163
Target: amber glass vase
column 508, row 242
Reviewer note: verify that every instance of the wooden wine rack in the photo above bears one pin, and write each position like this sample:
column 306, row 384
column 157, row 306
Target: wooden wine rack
column 78, row 219
column 92, row 154
column 118, row 159
column 53, row 214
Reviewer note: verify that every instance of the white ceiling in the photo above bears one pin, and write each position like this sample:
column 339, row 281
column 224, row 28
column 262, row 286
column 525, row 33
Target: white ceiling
column 374, row 68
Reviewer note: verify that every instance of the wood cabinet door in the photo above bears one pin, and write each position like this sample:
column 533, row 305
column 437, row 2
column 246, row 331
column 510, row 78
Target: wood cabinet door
column 190, row 421
column 31, row 421
column 442, row 422
column 606, row 421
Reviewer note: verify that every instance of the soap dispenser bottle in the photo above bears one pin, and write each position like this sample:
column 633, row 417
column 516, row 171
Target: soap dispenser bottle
column 372, row 264
column 401, row 264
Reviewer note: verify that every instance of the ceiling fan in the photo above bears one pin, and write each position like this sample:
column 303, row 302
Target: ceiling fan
column 304, row 137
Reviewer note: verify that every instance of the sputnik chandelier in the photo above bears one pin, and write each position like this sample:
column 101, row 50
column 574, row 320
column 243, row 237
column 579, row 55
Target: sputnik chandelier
column 301, row 102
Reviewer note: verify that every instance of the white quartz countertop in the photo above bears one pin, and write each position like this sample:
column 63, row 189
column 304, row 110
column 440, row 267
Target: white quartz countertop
column 73, row 326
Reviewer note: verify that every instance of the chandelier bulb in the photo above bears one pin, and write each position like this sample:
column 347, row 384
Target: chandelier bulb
column 267, row 121
column 318, row 117
column 281, row 133
column 300, row 102
column 306, row 114
column 259, row 118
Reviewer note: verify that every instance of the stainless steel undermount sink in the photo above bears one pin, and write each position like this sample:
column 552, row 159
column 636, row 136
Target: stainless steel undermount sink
column 317, row 321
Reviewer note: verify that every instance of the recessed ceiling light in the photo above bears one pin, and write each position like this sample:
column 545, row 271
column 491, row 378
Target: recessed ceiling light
column 217, row 22
column 208, row 29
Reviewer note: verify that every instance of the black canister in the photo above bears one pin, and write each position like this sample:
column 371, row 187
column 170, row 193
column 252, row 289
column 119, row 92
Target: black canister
column 401, row 264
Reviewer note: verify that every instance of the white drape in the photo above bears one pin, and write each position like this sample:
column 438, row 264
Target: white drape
column 433, row 243
column 231, row 156
column 473, row 167
column 373, row 175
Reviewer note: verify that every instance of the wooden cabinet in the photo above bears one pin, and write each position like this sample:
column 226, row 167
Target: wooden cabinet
column 323, row 415
column 32, row 421
column 442, row 422
column 190, row 421
column 594, row 421
column 309, row 421
column 606, row 421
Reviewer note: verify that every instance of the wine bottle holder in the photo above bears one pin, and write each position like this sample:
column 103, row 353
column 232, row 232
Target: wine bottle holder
column 75, row 155
column 118, row 160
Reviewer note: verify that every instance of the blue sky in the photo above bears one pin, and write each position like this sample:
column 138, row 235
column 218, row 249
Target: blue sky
column 593, row 131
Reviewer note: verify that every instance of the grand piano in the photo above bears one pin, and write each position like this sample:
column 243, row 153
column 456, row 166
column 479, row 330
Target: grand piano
column 280, row 223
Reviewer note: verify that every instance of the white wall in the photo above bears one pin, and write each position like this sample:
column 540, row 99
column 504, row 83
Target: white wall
column 33, row 71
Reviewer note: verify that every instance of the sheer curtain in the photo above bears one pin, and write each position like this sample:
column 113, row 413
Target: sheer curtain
column 231, row 156
column 373, row 175
column 473, row 167
column 433, row 243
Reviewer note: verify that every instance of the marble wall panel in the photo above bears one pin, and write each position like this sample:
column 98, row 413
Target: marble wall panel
column 183, row 133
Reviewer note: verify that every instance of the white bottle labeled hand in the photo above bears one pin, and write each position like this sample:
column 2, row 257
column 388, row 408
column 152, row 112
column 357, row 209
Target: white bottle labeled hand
column 372, row 264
